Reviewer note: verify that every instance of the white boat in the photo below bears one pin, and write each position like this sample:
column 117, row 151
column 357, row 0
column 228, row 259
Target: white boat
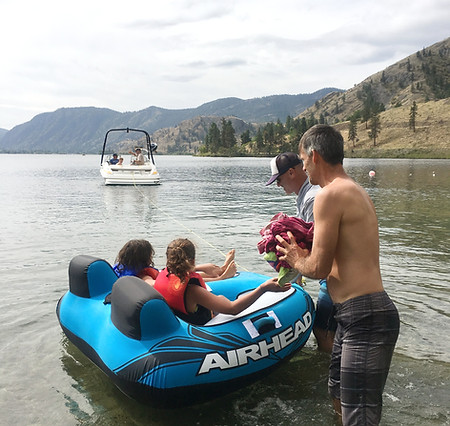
column 130, row 174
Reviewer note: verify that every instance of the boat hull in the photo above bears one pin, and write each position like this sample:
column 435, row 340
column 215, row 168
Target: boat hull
column 153, row 356
column 130, row 175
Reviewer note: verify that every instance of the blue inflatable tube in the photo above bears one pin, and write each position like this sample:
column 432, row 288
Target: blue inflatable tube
column 126, row 328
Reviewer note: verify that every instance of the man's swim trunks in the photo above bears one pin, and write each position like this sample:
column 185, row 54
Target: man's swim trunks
column 366, row 334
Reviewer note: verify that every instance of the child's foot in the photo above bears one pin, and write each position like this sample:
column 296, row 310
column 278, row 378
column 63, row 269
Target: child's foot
column 230, row 271
column 228, row 259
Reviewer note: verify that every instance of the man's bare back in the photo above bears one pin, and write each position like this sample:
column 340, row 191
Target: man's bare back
column 355, row 268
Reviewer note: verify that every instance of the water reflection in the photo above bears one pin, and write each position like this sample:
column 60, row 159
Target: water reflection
column 285, row 394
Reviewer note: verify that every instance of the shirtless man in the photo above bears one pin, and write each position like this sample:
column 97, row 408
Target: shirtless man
column 346, row 251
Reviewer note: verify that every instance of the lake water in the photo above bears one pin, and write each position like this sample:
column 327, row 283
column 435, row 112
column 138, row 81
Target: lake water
column 54, row 207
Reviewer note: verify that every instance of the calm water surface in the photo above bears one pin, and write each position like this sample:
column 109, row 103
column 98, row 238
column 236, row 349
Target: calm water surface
column 54, row 207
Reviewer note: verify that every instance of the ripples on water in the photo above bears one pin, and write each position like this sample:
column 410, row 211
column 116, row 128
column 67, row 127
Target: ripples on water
column 55, row 207
column 414, row 214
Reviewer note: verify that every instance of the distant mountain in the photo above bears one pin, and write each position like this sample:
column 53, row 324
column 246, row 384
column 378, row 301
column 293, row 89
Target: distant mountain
column 81, row 130
column 424, row 76
column 64, row 131
column 263, row 110
column 3, row 133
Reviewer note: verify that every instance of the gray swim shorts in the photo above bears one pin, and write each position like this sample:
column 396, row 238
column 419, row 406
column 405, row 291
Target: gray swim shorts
column 366, row 334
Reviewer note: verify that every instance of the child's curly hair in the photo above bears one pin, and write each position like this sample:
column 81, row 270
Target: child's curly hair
column 180, row 257
column 136, row 255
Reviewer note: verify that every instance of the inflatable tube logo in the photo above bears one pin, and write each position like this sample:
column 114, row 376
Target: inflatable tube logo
column 256, row 351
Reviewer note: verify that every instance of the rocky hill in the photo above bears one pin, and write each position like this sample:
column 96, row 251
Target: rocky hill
column 423, row 78
column 420, row 77
column 75, row 130
column 189, row 134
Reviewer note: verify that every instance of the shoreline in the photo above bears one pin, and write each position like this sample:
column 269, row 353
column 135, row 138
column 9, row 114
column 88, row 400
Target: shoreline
column 398, row 153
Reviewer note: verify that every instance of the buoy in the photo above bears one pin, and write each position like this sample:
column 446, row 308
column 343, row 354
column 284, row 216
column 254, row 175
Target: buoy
column 372, row 173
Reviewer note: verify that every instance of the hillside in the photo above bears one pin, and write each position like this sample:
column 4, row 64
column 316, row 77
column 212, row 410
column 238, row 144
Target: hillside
column 75, row 130
column 424, row 78
column 420, row 77
column 189, row 134
column 396, row 140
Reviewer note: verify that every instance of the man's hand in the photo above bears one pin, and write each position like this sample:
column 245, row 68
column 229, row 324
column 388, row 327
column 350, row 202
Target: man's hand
column 292, row 253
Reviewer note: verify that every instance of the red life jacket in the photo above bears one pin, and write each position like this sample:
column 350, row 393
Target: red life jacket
column 152, row 272
column 172, row 289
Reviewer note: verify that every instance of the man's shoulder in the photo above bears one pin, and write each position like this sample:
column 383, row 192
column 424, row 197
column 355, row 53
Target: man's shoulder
column 343, row 190
column 342, row 183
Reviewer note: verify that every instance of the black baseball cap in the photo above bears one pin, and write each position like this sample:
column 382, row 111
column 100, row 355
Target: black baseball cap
column 282, row 163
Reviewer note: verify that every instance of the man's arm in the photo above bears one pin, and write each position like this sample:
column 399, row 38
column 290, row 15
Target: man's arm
column 317, row 263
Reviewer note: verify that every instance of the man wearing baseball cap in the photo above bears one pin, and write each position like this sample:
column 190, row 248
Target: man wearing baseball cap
column 287, row 170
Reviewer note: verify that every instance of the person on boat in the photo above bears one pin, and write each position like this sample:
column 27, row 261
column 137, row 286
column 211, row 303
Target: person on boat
column 120, row 163
column 139, row 160
column 136, row 258
column 345, row 250
column 114, row 160
column 287, row 171
column 186, row 293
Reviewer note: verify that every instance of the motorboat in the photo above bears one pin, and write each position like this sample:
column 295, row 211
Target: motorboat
column 130, row 174
column 125, row 327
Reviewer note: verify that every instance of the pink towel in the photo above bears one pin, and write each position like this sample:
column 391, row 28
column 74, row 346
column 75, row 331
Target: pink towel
column 279, row 225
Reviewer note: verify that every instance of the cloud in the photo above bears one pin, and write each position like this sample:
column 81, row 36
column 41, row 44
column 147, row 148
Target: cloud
column 182, row 53
column 187, row 12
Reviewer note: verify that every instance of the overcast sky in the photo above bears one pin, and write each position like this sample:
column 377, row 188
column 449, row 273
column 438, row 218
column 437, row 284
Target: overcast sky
column 129, row 55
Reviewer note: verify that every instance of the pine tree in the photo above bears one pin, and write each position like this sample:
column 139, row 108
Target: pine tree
column 227, row 136
column 352, row 131
column 279, row 132
column 322, row 119
column 214, row 138
column 303, row 125
column 259, row 139
column 269, row 137
column 412, row 116
column 370, row 105
column 374, row 128
column 289, row 123
column 245, row 137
